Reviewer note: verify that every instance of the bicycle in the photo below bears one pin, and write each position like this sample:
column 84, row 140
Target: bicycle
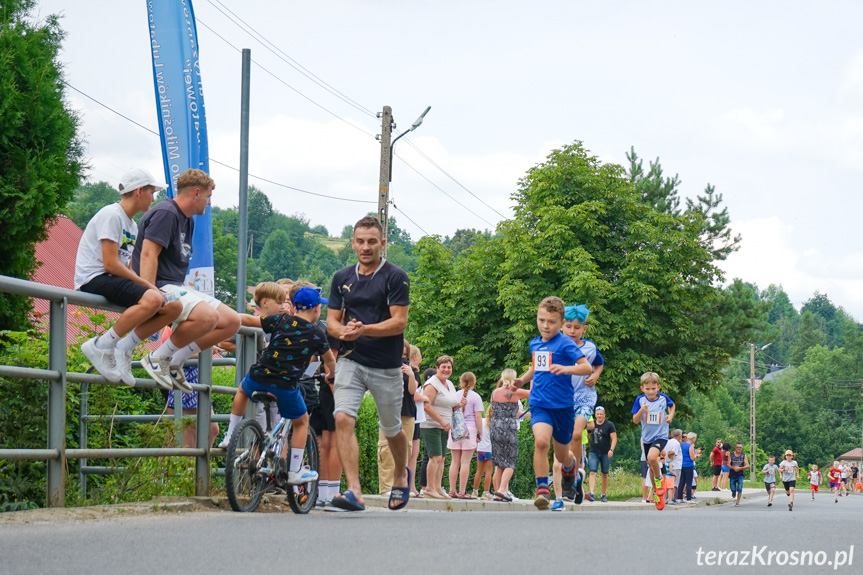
column 250, row 461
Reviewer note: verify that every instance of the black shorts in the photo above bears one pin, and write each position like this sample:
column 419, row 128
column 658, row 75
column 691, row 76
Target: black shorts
column 416, row 431
column 717, row 470
column 769, row 486
column 316, row 420
column 117, row 290
column 789, row 484
column 327, row 409
column 657, row 443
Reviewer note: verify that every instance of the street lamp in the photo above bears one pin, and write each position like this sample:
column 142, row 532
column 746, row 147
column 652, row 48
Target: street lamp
column 413, row 127
column 752, row 408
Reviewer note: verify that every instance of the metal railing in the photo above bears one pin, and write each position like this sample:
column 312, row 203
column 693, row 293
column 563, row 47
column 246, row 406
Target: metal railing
column 57, row 376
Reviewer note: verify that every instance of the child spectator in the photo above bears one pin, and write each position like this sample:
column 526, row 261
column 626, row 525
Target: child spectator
column 462, row 451
column 814, row 480
column 102, row 268
column 555, row 358
column 484, row 465
column 769, row 472
column 649, row 409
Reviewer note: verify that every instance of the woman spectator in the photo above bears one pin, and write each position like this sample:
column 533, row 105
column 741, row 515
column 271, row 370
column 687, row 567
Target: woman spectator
column 687, row 470
column 443, row 398
column 726, row 461
column 462, row 451
column 503, row 425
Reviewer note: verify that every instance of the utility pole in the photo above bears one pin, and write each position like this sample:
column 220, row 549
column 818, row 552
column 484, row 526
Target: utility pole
column 752, row 412
column 386, row 157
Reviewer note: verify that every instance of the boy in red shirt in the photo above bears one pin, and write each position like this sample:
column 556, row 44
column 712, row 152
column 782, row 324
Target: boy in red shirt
column 716, row 457
column 833, row 476
column 814, row 480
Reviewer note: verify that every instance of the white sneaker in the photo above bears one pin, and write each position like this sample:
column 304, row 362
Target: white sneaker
column 224, row 442
column 178, row 379
column 158, row 368
column 124, row 366
column 304, row 475
column 102, row 360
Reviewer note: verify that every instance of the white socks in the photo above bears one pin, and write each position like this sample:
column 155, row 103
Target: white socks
column 181, row 355
column 108, row 340
column 232, row 423
column 296, row 459
column 167, row 349
column 128, row 343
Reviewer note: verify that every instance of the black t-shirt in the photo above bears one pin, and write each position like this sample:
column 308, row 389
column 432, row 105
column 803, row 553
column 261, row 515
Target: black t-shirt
column 367, row 298
column 600, row 437
column 409, row 406
column 166, row 225
column 292, row 343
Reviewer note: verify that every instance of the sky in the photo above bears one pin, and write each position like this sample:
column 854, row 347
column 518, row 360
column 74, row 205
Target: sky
column 762, row 100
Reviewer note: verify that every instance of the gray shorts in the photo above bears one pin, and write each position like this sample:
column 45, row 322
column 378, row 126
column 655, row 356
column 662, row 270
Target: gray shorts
column 386, row 386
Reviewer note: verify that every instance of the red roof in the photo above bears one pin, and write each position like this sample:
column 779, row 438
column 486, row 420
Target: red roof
column 55, row 258
column 855, row 454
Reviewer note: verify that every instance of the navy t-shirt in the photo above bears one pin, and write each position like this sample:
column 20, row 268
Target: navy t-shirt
column 292, row 344
column 169, row 227
column 367, row 298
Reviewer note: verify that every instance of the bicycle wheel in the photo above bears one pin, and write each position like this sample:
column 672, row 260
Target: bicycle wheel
column 244, row 484
column 302, row 498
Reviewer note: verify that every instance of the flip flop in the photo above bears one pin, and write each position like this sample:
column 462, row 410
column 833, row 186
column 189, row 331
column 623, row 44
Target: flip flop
column 400, row 494
column 502, row 497
column 348, row 502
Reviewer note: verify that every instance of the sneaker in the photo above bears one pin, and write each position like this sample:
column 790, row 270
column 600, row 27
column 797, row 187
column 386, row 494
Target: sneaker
column 672, row 502
column 322, row 503
column 488, row 496
column 769, row 504
column 659, row 502
column 102, row 359
column 579, row 488
column 158, row 368
column 791, row 506
column 124, row 366
column 715, row 489
column 224, row 443
column 475, row 494
column 836, row 500
column 178, row 379
column 541, row 499
column 590, row 497
column 659, row 489
column 557, row 505
column 569, row 495
column 304, row 475
column 603, row 498
column 568, row 479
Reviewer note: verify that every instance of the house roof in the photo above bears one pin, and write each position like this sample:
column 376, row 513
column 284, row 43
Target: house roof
column 855, row 454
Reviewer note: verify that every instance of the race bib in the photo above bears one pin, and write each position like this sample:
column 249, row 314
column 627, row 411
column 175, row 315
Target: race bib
column 653, row 418
column 541, row 360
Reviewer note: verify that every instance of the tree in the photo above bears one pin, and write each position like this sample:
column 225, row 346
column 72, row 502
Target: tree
column 320, row 230
column 280, row 257
column 582, row 232
column 259, row 212
column 463, row 239
column 40, row 152
column 89, row 199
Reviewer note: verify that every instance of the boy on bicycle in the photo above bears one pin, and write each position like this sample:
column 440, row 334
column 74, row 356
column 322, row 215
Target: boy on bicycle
column 295, row 339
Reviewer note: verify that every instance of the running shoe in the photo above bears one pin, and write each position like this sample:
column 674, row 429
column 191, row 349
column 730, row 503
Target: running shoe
column 590, row 497
column 158, row 368
column 178, row 379
column 102, row 359
column 579, row 488
column 304, row 475
column 603, row 498
column 224, row 442
column 557, row 505
column 659, row 502
column 123, row 360
column 569, row 495
column 568, row 479
column 541, row 499
column 791, row 506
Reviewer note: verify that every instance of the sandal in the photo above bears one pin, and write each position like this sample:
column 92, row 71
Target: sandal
column 498, row 496
column 400, row 494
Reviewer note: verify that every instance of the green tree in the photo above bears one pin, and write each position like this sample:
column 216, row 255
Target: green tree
column 280, row 256
column 808, row 335
column 581, row 231
column 40, row 153
column 89, row 199
column 463, row 239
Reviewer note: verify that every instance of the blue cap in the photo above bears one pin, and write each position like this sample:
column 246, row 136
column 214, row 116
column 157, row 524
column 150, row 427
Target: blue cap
column 309, row 297
column 576, row 312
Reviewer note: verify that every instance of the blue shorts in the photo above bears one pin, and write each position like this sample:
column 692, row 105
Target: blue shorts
column 290, row 401
column 483, row 455
column 585, row 411
column 735, row 484
column 561, row 420
column 725, row 469
column 594, row 461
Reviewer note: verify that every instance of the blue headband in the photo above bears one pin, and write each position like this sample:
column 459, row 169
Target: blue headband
column 576, row 312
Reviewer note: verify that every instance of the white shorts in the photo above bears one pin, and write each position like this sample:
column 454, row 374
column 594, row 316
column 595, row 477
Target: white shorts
column 189, row 299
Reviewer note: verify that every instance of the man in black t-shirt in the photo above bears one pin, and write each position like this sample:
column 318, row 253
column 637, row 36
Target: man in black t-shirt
column 368, row 313
column 161, row 256
column 603, row 440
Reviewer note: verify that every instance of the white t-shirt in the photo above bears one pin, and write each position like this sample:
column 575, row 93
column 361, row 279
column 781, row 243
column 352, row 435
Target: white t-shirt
column 787, row 469
column 484, row 443
column 421, row 412
column 673, row 446
column 109, row 223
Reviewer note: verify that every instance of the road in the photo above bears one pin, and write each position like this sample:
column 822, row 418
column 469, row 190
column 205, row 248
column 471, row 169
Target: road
column 382, row 542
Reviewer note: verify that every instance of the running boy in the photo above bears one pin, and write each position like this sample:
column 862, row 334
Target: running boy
column 102, row 268
column 769, row 472
column 790, row 474
column 278, row 370
column 649, row 410
column 814, row 480
column 834, row 476
column 555, row 358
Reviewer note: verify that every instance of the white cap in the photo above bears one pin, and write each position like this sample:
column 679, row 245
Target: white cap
column 138, row 178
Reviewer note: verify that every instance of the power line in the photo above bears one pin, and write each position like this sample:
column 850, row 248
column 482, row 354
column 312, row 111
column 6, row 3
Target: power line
column 298, row 92
column 447, row 174
column 266, row 43
column 395, row 207
column 217, row 161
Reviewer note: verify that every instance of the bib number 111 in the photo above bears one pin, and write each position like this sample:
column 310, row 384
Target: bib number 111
column 541, row 360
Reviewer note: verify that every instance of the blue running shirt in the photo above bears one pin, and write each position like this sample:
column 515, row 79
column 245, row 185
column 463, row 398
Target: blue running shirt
column 653, row 426
column 549, row 390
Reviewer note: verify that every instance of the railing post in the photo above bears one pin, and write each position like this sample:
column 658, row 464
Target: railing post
column 249, row 352
column 202, row 441
column 57, row 404
column 82, row 433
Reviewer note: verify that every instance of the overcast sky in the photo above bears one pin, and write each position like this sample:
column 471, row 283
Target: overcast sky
column 763, row 100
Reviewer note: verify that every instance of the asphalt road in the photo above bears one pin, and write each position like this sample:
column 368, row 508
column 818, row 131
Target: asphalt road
column 383, row 542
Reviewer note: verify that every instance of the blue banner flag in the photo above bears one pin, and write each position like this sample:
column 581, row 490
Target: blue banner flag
column 182, row 122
